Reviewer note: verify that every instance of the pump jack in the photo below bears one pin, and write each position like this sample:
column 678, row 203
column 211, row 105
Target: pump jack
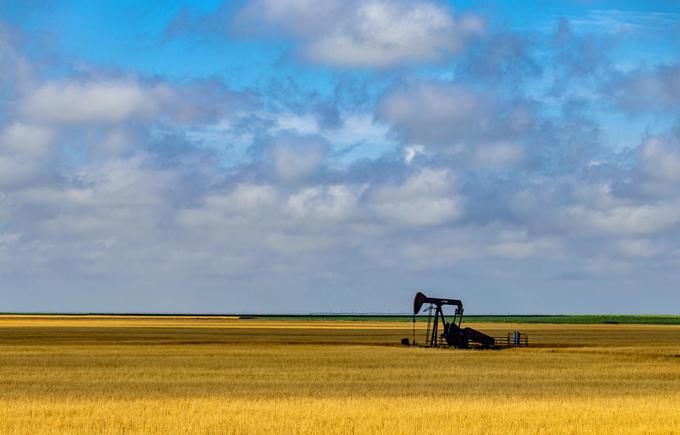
column 453, row 335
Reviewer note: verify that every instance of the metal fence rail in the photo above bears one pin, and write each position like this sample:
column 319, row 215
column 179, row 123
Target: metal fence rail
column 513, row 339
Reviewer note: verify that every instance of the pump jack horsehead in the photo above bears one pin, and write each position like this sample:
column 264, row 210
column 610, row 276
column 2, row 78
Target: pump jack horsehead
column 451, row 333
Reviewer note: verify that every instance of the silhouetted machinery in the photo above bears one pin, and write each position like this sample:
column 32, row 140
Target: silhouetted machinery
column 451, row 334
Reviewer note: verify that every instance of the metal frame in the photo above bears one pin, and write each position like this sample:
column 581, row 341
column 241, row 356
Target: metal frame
column 453, row 335
column 436, row 304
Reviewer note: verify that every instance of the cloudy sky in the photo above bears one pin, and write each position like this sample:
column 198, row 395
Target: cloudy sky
column 339, row 155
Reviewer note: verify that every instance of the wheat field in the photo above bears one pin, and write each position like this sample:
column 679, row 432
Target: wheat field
column 84, row 375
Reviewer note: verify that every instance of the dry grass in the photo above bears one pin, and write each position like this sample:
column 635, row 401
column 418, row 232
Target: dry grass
column 168, row 375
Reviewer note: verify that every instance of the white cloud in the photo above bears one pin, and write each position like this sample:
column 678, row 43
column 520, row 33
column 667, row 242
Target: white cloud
column 516, row 244
column 25, row 155
column 253, row 197
column 585, row 209
column 498, row 155
column 93, row 102
column 244, row 206
column 629, row 219
column 640, row 248
column 17, row 171
column 477, row 127
column 438, row 114
column 372, row 34
column 293, row 158
column 647, row 89
column 660, row 161
column 333, row 203
column 148, row 211
column 25, row 139
column 293, row 164
column 411, row 152
column 426, row 198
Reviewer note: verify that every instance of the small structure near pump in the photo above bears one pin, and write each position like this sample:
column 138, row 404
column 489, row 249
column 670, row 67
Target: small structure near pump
column 451, row 333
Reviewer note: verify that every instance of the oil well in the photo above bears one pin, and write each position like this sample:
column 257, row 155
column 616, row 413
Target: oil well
column 447, row 332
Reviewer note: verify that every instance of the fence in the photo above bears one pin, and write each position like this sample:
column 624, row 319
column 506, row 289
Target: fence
column 513, row 339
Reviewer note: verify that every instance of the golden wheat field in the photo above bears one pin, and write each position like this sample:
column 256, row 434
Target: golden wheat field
column 85, row 375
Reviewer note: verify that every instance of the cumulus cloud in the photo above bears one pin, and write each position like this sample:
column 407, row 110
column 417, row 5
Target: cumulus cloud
column 20, row 138
column 660, row 159
column 333, row 203
column 499, row 155
column 643, row 89
column 425, row 198
column 26, row 155
column 291, row 157
column 657, row 168
column 374, row 34
column 628, row 219
column 517, row 244
column 133, row 192
column 476, row 126
column 17, row 72
column 18, row 171
column 106, row 102
column 641, row 248
column 439, row 114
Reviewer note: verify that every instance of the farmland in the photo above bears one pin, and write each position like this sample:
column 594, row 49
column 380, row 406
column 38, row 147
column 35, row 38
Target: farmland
column 548, row 319
column 99, row 374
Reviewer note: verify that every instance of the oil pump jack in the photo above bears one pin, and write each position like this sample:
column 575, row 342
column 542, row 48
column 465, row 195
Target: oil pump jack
column 452, row 334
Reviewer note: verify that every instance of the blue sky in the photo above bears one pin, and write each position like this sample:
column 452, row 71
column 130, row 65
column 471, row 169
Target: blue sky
column 338, row 156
